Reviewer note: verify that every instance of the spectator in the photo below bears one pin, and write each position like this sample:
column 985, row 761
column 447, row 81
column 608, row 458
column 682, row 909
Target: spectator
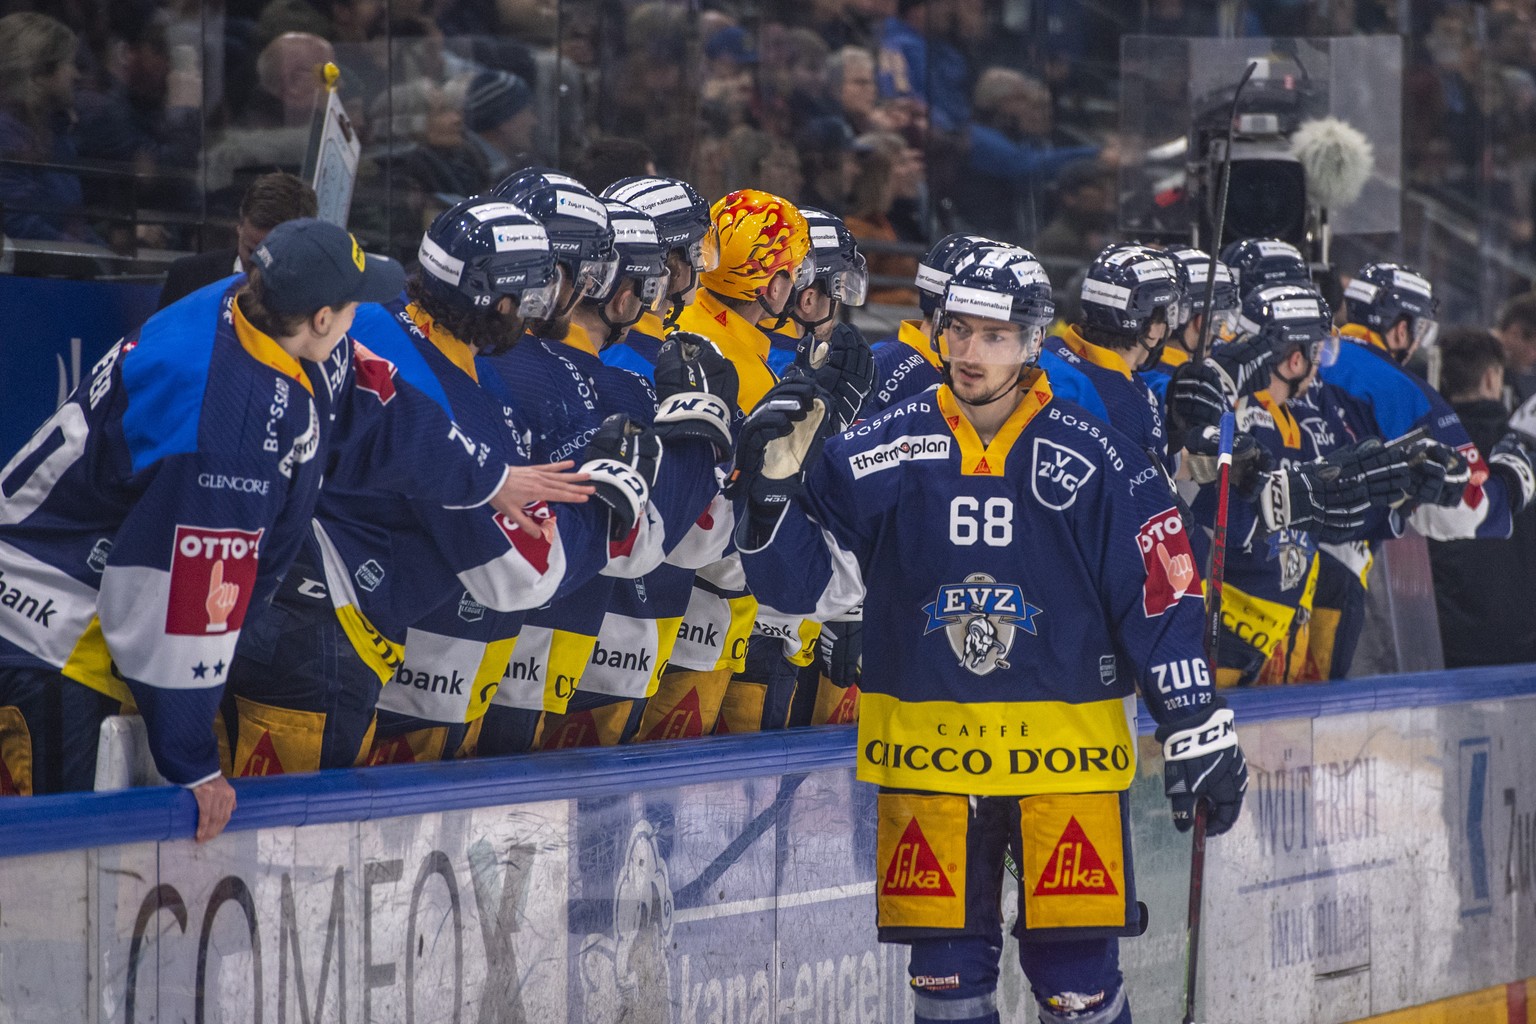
column 1483, row 587
column 1012, row 157
column 434, row 163
column 829, row 161
column 851, row 80
column 37, row 116
column 890, row 173
column 499, row 113
column 271, row 200
column 1084, row 221
column 919, row 56
column 607, row 159
column 1516, row 332
column 756, row 159
column 792, row 79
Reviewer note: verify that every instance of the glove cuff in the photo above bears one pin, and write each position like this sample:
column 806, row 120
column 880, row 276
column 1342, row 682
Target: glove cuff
column 1217, row 732
column 1274, row 500
column 1518, row 475
column 696, row 414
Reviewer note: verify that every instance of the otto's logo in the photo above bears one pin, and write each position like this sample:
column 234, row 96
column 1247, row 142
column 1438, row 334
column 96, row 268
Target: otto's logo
column 906, row 449
column 980, row 618
column 1075, row 867
column 914, row 870
column 212, row 574
column 1059, row 473
column 1168, row 561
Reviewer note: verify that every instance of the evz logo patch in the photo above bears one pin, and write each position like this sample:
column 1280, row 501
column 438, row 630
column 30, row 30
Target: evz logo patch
column 1059, row 474
column 1168, row 561
column 981, row 618
column 212, row 575
column 1293, row 550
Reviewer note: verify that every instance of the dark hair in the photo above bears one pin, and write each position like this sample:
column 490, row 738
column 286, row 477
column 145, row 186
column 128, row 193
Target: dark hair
column 1466, row 353
column 479, row 328
column 606, row 160
column 1519, row 310
column 274, row 198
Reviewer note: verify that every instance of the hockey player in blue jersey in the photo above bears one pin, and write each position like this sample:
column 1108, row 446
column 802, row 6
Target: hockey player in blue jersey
column 1130, row 299
column 1264, row 262
column 1185, row 336
column 905, row 364
column 686, row 231
column 1389, row 311
column 1023, row 572
column 306, row 678
column 564, row 391
column 154, row 513
column 1297, row 420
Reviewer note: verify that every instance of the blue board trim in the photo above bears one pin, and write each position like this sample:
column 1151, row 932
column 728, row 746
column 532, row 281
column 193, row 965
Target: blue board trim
column 73, row 821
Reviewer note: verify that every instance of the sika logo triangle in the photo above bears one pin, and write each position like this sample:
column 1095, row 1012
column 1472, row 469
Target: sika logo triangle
column 720, row 317
column 982, row 466
column 393, row 751
column 914, row 870
column 954, row 421
column 1075, row 868
column 683, row 721
column 579, row 730
column 8, row 785
column 263, row 759
column 847, row 709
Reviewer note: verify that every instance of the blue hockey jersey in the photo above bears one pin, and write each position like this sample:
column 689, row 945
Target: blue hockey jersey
column 1024, row 589
column 905, row 366
column 1099, row 380
column 636, row 352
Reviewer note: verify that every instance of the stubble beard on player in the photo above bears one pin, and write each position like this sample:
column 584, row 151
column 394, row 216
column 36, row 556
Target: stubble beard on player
column 979, row 391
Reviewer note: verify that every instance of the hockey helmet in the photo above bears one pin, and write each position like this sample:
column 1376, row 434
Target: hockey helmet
column 761, row 235
column 1260, row 262
column 681, row 216
column 1291, row 318
column 1125, row 286
column 933, row 270
column 1381, row 294
column 1002, row 283
column 576, row 222
column 835, row 258
column 1226, row 303
column 481, row 250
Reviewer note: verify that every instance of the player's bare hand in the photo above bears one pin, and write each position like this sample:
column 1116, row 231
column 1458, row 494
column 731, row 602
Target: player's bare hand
column 215, row 803
column 554, row 483
column 1180, row 570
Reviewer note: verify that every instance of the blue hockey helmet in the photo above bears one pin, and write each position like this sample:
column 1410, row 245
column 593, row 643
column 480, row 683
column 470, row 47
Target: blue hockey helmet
column 576, row 222
column 1226, row 303
column 1260, row 262
column 482, row 250
column 933, row 270
column 838, row 264
column 1124, row 288
column 1382, row 294
column 681, row 216
column 1003, row 283
column 1291, row 318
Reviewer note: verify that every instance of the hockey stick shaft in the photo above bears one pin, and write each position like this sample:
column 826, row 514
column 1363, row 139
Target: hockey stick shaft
column 1215, row 572
column 1206, row 325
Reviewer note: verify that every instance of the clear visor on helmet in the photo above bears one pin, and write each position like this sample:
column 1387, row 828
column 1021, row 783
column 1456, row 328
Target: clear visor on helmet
column 805, row 273
column 1325, row 352
column 1425, row 331
column 966, row 338
column 1224, row 324
column 704, row 254
column 652, row 290
column 537, row 302
column 594, row 278
column 850, row 286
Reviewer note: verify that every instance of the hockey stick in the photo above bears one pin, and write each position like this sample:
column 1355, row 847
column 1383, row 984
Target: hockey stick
column 1204, row 344
column 1215, row 571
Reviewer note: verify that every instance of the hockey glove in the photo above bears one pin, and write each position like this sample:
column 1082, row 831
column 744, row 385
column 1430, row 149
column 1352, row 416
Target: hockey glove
column 1438, row 475
column 695, row 392
column 1314, row 497
column 1203, row 761
column 843, row 366
column 623, row 458
column 783, row 435
column 841, row 649
column 1195, row 404
column 1511, row 459
column 1250, row 460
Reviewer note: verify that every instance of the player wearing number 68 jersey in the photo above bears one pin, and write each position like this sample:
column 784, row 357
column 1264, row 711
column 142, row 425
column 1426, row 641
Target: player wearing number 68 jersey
column 1028, row 571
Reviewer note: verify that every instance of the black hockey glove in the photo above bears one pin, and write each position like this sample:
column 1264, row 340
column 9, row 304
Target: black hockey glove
column 1315, row 497
column 783, row 435
column 1511, row 459
column 1438, row 474
column 623, row 458
column 1195, row 404
column 843, row 366
column 695, row 392
column 841, row 649
column 1201, row 760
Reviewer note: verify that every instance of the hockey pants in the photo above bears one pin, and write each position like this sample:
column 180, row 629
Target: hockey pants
column 50, row 726
column 1338, row 618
